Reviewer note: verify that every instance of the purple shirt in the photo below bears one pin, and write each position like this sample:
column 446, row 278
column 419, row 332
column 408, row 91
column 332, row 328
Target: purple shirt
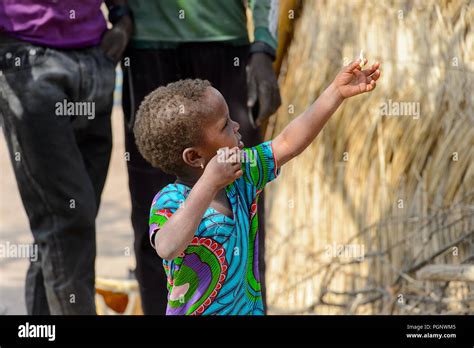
column 54, row 23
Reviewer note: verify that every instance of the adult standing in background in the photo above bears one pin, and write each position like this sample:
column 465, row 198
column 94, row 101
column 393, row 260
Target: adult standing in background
column 57, row 62
column 205, row 39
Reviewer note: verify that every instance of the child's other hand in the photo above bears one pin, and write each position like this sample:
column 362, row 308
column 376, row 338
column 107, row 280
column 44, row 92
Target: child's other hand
column 224, row 168
column 352, row 81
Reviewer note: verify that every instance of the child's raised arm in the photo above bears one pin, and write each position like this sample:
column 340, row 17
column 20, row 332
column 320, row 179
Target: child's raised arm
column 300, row 132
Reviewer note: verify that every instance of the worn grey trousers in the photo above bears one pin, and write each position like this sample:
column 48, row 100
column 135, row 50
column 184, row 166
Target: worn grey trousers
column 55, row 108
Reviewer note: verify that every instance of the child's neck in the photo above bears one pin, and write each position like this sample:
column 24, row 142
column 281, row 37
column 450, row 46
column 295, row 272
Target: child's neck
column 188, row 180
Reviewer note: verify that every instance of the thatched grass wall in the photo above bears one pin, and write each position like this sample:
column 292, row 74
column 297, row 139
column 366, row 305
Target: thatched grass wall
column 382, row 192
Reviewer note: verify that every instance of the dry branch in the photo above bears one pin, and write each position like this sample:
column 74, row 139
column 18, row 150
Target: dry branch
column 447, row 273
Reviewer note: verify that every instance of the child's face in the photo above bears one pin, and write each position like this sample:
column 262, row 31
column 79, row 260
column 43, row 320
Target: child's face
column 220, row 131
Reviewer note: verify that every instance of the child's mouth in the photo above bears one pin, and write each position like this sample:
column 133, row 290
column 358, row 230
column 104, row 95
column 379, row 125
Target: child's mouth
column 240, row 143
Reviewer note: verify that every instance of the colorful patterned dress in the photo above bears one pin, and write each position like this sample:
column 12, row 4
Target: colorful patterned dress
column 218, row 272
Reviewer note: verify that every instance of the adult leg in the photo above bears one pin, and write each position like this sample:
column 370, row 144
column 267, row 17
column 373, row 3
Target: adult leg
column 54, row 185
column 35, row 292
column 94, row 133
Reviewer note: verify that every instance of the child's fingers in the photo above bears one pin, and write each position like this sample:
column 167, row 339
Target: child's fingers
column 372, row 69
column 233, row 149
column 239, row 173
column 371, row 86
column 234, row 155
column 236, row 165
column 375, row 76
column 354, row 65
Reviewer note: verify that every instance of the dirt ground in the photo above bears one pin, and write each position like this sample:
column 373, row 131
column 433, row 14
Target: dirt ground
column 114, row 231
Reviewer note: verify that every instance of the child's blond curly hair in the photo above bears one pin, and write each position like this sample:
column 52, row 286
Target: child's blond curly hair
column 168, row 121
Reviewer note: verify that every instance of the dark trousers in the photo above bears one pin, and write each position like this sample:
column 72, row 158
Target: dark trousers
column 60, row 164
column 224, row 66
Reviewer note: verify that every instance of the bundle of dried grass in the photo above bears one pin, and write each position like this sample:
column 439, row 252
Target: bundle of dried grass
column 388, row 186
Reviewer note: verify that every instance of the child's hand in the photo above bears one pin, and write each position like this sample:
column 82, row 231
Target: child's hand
column 224, row 168
column 352, row 81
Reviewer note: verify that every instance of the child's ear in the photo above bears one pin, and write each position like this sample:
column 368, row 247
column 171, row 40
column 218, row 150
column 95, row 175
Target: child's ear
column 192, row 158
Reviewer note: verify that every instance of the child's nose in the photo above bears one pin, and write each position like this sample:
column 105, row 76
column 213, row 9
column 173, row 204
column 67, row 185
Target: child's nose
column 236, row 126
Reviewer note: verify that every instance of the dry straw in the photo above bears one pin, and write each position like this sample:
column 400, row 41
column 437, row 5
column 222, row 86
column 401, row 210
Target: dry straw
column 395, row 189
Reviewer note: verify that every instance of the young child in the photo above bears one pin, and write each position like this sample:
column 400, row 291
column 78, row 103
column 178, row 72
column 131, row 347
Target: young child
column 204, row 225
